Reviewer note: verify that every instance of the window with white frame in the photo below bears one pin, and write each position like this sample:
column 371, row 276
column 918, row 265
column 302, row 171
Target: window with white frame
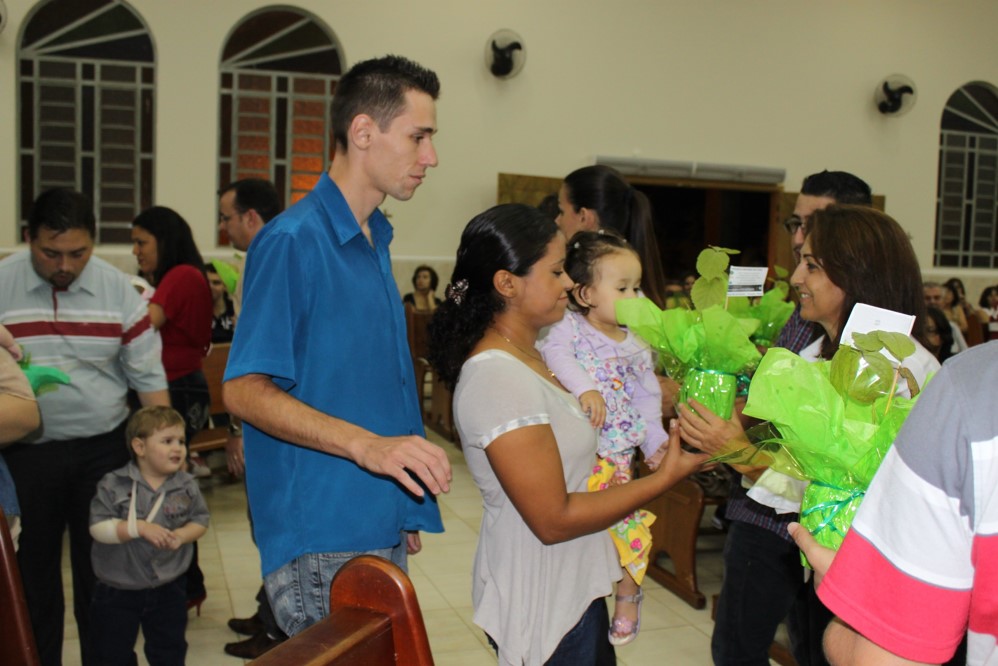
column 86, row 92
column 967, row 202
column 279, row 71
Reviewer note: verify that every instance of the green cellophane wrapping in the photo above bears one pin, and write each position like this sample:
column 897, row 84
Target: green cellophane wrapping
column 41, row 378
column 772, row 312
column 706, row 349
column 817, row 434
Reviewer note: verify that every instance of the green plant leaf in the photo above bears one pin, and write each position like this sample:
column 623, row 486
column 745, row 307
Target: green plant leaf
column 709, row 291
column 781, row 272
column 899, row 345
column 711, row 263
column 874, row 380
column 867, row 342
column 843, row 370
column 725, row 250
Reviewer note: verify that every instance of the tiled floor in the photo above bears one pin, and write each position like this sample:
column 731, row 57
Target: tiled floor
column 671, row 631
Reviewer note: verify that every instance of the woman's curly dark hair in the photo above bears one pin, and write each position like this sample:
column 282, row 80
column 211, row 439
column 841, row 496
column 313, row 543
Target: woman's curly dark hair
column 510, row 237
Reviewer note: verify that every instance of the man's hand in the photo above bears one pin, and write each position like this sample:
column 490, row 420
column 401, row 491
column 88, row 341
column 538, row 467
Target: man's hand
column 234, row 459
column 594, row 407
column 413, row 544
column 393, row 456
column 819, row 556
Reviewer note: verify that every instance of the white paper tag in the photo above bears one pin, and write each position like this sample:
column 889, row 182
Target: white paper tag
column 867, row 318
column 746, row 280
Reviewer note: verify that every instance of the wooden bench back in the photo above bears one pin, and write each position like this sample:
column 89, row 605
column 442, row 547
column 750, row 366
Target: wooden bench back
column 374, row 619
column 214, row 370
column 17, row 641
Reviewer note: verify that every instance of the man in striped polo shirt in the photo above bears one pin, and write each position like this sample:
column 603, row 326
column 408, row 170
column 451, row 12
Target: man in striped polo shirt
column 75, row 312
column 919, row 567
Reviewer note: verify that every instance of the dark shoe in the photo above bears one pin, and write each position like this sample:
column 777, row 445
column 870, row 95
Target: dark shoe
column 253, row 647
column 250, row 626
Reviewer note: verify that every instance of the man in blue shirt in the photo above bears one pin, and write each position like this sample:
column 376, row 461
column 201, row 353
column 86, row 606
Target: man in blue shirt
column 320, row 371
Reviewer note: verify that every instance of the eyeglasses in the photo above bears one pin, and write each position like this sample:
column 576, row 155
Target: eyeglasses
column 793, row 223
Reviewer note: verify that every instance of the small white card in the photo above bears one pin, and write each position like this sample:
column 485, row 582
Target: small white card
column 867, row 318
column 746, row 280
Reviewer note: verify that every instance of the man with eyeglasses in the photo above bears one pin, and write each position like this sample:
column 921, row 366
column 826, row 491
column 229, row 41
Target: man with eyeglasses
column 763, row 578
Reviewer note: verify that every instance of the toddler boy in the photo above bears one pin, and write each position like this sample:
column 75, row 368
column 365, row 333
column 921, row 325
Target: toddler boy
column 144, row 519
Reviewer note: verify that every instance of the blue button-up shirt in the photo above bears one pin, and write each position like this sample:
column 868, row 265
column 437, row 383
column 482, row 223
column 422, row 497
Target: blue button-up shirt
column 322, row 317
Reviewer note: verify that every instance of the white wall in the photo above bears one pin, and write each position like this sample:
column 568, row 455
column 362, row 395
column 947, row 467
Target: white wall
column 779, row 83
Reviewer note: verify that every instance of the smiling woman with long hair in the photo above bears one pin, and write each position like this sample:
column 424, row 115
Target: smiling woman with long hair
column 851, row 254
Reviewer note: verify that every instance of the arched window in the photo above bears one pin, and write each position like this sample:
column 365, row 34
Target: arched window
column 967, row 204
column 278, row 74
column 86, row 86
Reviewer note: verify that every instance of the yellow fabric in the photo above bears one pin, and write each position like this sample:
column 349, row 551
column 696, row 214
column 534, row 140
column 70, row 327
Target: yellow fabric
column 630, row 536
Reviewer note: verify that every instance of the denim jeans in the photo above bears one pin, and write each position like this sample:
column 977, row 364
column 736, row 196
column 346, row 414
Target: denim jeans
column 586, row 644
column 116, row 616
column 299, row 590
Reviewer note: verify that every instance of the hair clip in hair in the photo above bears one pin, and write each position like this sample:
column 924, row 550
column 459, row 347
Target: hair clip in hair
column 576, row 245
column 600, row 232
column 456, row 291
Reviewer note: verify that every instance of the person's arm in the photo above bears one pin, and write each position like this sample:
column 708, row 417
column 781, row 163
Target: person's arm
column 154, row 398
column 157, row 315
column 234, row 456
column 708, row 432
column 843, row 645
column 647, row 399
column 558, row 351
column 537, row 489
column 189, row 533
column 18, row 418
column 141, row 352
column 19, row 414
column 257, row 400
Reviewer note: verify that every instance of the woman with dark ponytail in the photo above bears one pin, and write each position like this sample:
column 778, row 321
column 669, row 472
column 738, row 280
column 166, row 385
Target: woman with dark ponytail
column 597, row 196
column 545, row 560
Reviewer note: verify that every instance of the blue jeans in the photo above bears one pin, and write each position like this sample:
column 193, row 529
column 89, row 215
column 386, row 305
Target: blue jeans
column 299, row 591
column 586, row 644
column 116, row 616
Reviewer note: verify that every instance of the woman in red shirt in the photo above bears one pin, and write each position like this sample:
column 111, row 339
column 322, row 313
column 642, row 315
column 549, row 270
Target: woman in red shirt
column 181, row 310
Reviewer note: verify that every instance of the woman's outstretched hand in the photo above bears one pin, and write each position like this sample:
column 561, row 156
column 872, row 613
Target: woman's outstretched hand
column 677, row 463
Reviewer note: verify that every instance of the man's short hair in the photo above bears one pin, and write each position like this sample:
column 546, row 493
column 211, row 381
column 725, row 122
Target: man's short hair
column 255, row 194
column 377, row 88
column 60, row 210
column 149, row 420
column 842, row 186
column 931, row 285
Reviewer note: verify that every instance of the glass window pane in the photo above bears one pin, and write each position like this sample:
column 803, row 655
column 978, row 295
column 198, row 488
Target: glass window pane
column 81, row 36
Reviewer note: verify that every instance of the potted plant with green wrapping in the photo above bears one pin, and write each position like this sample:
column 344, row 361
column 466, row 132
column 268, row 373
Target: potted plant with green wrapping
column 829, row 423
column 706, row 349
